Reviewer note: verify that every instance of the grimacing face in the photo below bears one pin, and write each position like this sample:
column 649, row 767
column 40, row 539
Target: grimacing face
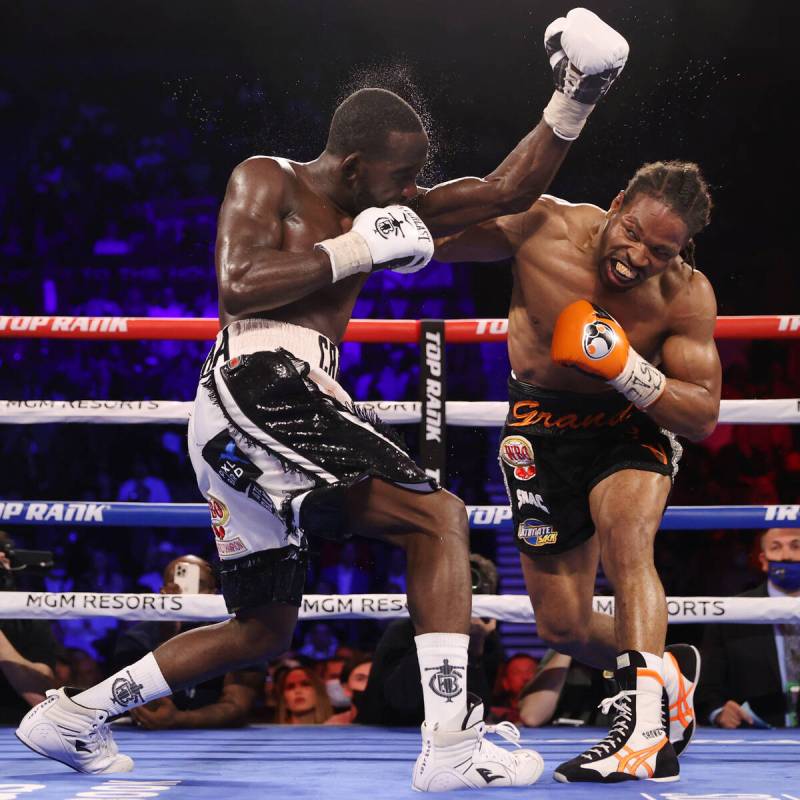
column 639, row 241
column 392, row 179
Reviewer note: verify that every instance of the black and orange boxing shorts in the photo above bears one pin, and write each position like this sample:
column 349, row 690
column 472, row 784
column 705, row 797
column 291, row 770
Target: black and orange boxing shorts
column 557, row 446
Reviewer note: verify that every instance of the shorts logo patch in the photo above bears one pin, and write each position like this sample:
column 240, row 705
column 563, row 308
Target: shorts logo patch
column 516, row 451
column 525, row 473
column 220, row 516
column 598, row 340
column 236, row 469
column 231, row 548
column 531, row 499
column 536, row 533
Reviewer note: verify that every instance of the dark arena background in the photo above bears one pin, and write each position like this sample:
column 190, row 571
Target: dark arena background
column 120, row 124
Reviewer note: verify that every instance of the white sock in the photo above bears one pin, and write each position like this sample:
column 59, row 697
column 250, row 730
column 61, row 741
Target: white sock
column 130, row 687
column 443, row 671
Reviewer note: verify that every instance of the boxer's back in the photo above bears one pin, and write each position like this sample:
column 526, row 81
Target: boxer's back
column 290, row 216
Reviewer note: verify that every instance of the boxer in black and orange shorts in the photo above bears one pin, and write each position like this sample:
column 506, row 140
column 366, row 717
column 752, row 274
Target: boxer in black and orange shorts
column 557, row 446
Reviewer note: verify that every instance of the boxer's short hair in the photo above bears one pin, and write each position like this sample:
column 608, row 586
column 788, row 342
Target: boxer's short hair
column 363, row 121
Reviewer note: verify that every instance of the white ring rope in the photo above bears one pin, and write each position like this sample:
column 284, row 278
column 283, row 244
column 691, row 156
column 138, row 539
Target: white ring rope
column 459, row 412
column 506, row 608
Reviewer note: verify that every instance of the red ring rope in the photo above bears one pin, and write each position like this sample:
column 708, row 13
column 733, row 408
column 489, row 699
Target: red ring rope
column 359, row 330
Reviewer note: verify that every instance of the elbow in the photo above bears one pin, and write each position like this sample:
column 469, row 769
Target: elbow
column 235, row 298
column 531, row 715
column 704, row 428
column 514, row 200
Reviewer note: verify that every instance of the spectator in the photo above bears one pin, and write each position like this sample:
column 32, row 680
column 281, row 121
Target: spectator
column 27, row 652
column 515, row 675
column 143, row 487
column 751, row 673
column 302, row 699
column 394, row 691
column 564, row 692
column 225, row 701
column 355, row 677
column 319, row 643
column 331, row 673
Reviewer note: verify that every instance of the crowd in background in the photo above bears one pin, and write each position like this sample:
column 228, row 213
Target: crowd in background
column 103, row 214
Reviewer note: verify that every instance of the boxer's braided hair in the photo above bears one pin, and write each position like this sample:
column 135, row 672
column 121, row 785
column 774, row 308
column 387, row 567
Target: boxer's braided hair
column 681, row 186
column 363, row 121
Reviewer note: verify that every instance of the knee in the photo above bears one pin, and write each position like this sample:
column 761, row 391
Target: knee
column 627, row 547
column 255, row 641
column 562, row 630
column 450, row 518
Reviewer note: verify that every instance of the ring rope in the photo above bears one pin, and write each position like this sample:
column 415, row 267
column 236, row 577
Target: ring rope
column 506, row 608
column 497, row 518
column 395, row 331
column 462, row 413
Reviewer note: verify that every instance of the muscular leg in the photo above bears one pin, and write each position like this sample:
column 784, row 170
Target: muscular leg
column 626, row 508
column 561, row 588
column 432, row 528
column 253, row 635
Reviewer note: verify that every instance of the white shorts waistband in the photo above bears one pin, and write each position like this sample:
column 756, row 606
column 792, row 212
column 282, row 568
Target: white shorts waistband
column 254, row 335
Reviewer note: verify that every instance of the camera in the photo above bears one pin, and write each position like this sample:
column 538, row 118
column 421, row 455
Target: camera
column 30, row 562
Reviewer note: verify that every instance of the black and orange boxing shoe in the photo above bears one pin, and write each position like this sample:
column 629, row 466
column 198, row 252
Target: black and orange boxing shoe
column 681, row 676
column 637, row 746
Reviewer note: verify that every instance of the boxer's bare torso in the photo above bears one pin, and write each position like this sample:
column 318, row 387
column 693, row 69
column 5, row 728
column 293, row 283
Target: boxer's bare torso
column 273, row 204
column 557, row 257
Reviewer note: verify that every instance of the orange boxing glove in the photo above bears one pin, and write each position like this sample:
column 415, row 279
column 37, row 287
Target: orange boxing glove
column 590, row 339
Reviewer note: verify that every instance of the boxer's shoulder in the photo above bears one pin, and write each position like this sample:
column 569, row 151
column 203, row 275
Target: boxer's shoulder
column 550, row 217
column 263, row 180
column 688, row 293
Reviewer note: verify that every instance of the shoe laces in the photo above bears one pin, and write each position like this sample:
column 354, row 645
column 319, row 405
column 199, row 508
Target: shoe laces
column 505, row 730
column 619, row 728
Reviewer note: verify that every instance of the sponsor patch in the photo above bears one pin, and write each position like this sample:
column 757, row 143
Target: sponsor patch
column 236, row 469
column 220, row 516
column 516, row 451
column 229, row 462
column 536, row 533
column 231, row 547
column 598, row 340
column 525, row 473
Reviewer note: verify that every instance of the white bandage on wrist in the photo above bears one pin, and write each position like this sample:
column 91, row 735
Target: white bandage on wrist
column 566, row 116
column 348, row 253
column 640, row 381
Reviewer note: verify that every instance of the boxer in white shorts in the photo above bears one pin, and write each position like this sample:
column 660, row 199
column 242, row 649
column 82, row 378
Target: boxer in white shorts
column 279, row 450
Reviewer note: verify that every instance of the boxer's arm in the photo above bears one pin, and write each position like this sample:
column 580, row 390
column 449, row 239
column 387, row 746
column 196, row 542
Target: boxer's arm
column 689, row 404
column 254, row 274
column 513, row 187
column 495, row 240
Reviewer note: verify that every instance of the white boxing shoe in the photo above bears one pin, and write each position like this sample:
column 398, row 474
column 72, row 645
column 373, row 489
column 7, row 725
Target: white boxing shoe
column 465, row 759
column 79, row 737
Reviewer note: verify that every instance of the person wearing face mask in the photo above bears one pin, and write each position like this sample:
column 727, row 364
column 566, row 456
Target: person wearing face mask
column 752, row 672
column 354, row 679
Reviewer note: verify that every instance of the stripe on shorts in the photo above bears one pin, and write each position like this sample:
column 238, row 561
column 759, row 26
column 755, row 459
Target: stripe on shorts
column 242, row 422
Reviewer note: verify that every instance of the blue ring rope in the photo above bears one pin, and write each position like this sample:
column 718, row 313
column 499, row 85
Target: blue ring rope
column 196, row 515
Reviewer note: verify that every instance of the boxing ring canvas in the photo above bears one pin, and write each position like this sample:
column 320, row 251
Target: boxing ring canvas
column 348, row 762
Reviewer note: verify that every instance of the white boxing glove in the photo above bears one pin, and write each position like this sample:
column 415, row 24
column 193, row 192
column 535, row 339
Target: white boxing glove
column 392, row 238
column 586, row 56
